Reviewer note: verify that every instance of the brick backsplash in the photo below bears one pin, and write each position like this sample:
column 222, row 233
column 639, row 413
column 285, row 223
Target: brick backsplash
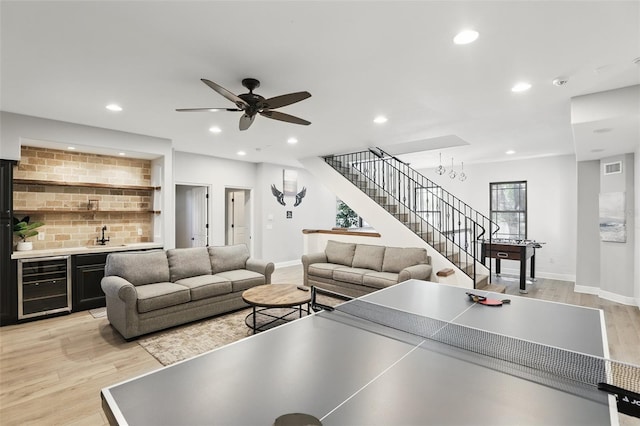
column 76, row 225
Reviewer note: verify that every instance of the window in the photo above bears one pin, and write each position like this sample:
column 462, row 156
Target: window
column 508, row 208
column 347, row 218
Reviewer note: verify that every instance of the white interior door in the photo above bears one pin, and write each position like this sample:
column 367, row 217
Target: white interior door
column 236, row 218
column 199, row 217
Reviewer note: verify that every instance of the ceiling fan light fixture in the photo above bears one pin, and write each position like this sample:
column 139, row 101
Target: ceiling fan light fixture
column 466, row 37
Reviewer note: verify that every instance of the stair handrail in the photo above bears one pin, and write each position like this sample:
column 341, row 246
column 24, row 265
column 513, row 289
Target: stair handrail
column 404, row 174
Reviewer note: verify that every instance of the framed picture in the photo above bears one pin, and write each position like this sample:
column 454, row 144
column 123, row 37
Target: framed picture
column 612, row 217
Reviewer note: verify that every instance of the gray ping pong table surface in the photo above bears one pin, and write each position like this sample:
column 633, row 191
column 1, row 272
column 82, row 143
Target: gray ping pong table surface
column 346, row 371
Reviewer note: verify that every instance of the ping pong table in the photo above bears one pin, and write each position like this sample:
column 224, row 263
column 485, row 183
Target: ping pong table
column 345, row 370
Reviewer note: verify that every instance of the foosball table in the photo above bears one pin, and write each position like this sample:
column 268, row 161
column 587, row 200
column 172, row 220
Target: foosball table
column 509, row 249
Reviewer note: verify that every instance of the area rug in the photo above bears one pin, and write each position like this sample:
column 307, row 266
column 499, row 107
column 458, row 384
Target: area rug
column 186, row 341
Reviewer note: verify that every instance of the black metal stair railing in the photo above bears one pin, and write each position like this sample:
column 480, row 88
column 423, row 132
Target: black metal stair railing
column 442, row 220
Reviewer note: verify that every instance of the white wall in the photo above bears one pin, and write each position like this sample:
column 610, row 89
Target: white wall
column 282, row 238
column 588, row 234
column 617, row 259
column 218, row 174
column 274, row 237
column 551, row 205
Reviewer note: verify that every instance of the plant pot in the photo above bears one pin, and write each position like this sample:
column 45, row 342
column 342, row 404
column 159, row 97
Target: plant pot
column 24, row 246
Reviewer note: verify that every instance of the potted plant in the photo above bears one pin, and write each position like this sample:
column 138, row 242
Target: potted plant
column 23, row 229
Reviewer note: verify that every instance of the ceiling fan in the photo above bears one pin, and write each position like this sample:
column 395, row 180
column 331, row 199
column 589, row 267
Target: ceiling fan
column 253, row 104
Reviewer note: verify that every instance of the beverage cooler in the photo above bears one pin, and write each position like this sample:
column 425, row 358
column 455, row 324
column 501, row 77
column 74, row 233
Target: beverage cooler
column 44, row 286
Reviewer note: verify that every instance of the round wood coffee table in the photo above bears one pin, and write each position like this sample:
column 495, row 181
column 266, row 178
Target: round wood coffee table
column 267, row 297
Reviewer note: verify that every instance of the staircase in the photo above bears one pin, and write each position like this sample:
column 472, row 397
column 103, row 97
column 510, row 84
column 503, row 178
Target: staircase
column 440, row 219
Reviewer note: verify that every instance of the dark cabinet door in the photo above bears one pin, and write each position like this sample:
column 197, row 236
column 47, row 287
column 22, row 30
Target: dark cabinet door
column 8, row 277
column 88, row 272
column 6, row 189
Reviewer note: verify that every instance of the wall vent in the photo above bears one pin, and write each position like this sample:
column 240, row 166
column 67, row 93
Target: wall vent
column 613, row 168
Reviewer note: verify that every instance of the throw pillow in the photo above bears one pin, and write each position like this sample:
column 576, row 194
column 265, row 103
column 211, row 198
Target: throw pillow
column 188, row 262
column 340, row 253
column 228, row 258
column 398, row 258
column 368, row 257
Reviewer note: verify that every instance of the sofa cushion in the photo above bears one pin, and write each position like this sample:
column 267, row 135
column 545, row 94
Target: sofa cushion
column 188, row 262
column 368, row 257
column 228, row 258
column 242, row 279
column 350, row 275
column 204, row 286
column 380, row 279
column 160, row 295
column 340, row 253
column 139, row 268
column 398, row 258
column 324, row 270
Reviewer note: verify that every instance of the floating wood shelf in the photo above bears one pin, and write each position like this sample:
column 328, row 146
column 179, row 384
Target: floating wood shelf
column 83, row 211
column 85, row 184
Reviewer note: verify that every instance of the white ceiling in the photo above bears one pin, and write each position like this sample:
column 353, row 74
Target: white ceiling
column 358, row 59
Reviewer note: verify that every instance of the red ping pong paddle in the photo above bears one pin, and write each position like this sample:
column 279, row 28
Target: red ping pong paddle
column 487, row 302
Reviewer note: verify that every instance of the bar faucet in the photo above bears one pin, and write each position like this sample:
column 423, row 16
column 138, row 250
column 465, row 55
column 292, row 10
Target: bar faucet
column 102, row 241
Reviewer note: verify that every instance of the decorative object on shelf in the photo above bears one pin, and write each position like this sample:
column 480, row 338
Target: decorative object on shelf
column 23, row 229
column 441, row 170
column 462, row 176
column 452, row 173
column 93, row 205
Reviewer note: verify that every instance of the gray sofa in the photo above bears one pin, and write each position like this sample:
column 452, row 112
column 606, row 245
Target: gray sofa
column 358, row 269
column 152, row 290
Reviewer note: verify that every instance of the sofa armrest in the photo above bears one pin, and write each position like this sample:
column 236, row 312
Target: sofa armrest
column 261, row 267
column 308, row 259
column 119, row 288
column 418, row 272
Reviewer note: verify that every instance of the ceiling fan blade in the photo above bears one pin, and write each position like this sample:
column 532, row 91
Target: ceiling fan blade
column 275, row 115
column 284, row 100
column 246, row 120
column 206, row 109
column 241, row 103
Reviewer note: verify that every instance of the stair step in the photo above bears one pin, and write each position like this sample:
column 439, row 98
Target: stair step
column 391, row 208
column 402, row 217
column 495, row 288
column 414, row 226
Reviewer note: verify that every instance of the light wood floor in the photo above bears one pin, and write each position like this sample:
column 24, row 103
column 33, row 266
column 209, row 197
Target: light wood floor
column 52, row 370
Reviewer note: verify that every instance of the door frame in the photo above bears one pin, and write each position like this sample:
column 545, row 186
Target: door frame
column 209, row 212
column 248, row 213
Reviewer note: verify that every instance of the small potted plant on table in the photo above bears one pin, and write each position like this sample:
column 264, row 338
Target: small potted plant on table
column 23, row 229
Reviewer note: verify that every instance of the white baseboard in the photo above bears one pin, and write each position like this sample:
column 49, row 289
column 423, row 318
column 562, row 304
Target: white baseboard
column 548, row 275
column 624, row 300
column 288, row 263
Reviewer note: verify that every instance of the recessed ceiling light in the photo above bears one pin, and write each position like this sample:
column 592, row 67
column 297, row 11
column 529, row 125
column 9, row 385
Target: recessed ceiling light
column 597, row 150
column 71, row 148
column 122, row 153
column 603, row 130
column 510, row 152
column 114, row 107
column 466, row 37
column 292, row 141
column 215, row 129
column 380, row 119
column 521, row 87
column 241, row 153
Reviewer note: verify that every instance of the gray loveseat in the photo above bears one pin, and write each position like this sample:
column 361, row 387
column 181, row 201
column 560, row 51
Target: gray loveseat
column 357, row 269
column 152, row 290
